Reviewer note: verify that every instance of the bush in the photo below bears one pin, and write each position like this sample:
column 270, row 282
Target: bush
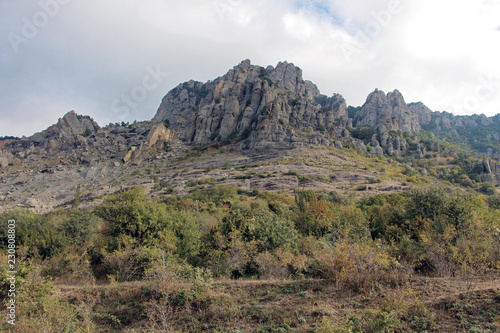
column 487, row 188
column 358, row 265
column 271, row 232
column 187, row 228
column 494, row 201
column 136, row 217
column 215, row 194
column 280, row 264
column 69, row 265
column 124, row 264
column 81, row 227
column 376, row 321
column 314, row 217
column 39, row 234
column 163, row 271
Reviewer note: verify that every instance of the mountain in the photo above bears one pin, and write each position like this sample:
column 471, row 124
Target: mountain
column 270, row 118
column 274, row 108
column 271, row 107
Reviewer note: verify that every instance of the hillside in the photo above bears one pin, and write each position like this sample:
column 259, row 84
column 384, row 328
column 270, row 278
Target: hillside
column 253, row 203
column 250, row 118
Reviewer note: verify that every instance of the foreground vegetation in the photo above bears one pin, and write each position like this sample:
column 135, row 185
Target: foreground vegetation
column 223, row 260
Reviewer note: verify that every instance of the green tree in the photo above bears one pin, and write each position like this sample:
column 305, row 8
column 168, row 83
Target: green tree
column 426, row 203
column 271, row 232
column 187, row 227
column 81, row 227
column 39, row 234
column 132, row 215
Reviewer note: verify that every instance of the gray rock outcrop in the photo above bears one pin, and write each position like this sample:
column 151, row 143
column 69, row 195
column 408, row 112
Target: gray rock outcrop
column 488, row 170
column 267, row 107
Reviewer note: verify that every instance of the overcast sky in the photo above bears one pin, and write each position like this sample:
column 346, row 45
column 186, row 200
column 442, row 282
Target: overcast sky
column 115, row 59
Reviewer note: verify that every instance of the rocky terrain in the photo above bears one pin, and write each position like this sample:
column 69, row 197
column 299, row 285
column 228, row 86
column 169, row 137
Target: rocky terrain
column 270, row 107
column 254, row 127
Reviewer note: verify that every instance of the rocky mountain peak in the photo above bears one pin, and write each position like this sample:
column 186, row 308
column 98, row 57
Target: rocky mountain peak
column 387, row 112
column 422, row 112
column 276, row 101
column 244, row 65
column 68, row 130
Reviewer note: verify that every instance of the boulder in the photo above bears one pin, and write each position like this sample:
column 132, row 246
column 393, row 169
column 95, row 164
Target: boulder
column 4, row 162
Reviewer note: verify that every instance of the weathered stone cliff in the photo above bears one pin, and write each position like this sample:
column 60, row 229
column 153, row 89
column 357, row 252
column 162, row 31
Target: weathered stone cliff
column 268, row 107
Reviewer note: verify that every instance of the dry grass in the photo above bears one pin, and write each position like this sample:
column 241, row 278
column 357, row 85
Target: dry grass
column 312, row 305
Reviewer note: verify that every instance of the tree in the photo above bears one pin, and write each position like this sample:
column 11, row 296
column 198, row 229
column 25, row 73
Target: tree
column 81, row 226
column 314, row 217
column 133, row 215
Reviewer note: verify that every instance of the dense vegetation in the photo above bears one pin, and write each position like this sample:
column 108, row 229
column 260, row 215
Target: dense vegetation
column 181, row 245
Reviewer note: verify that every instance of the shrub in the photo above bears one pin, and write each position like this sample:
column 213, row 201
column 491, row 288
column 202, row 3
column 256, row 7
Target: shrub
column 81, row 227
column 69, row 265
column 487, row 188
column 376, row 321
column 133, row 215
column 314, row 217
column 358, row 265
column 124, row 264
column 187, row 228
column 350, row 223
column 215, row 194
column 271, row 232
column 280, row 264
column 494, row 201
column 39, row 234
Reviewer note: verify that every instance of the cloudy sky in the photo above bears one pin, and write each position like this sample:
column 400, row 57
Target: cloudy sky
column 115, row 59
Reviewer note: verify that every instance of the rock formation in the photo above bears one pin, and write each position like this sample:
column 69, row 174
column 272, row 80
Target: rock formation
column 268, row 107
column 488, row 170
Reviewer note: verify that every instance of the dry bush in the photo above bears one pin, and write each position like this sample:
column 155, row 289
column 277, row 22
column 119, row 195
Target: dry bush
column 280, row 264
column 177, row 285
column 160, row 315
column 358, row 265
column 123, row 264
column 38, row 309
column 70, row 266
column 231, row 254
column 270, row 266
column 439, row 252
column 163, row 273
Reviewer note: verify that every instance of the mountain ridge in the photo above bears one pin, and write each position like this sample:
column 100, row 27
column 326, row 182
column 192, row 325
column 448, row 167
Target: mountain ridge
column 253, row 111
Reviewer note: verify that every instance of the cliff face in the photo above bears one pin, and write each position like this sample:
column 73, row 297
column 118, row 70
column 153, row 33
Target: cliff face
column 259, row 108
column 387, row 113
column 265, row 106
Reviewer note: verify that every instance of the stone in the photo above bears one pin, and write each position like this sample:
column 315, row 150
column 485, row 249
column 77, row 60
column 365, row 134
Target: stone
column 4, row 162
column 253, row 103
column 129, row 155
column 158, row 133
column 31, row 203
column 488, row 170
